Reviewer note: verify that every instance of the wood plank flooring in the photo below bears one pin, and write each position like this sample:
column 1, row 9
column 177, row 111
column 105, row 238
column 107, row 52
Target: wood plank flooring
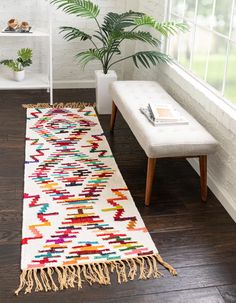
column 198, row 239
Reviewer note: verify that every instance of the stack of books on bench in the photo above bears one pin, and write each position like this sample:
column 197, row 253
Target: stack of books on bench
column 162, row 114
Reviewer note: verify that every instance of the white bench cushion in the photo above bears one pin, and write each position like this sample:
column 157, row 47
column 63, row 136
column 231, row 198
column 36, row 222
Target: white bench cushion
column 160, row 141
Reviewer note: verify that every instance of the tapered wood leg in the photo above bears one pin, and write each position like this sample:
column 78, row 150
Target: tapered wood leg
column 203, row 175
column 149, row 182
column 113, row 116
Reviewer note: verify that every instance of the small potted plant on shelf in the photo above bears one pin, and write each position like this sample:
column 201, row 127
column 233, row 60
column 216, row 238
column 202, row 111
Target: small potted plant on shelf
column 107, row 41
column 18, row 65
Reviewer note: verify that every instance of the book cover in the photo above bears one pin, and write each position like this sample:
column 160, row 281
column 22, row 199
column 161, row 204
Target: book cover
column 163, row 112
column 148, row 114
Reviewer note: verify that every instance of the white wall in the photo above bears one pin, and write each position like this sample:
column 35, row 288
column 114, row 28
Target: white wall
column 157, row 9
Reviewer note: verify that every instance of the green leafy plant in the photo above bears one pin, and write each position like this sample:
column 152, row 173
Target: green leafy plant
column 116, row 28
column 24, row 60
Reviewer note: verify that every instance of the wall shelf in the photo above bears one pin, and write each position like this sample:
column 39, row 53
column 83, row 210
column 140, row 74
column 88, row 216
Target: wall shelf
column 35, row 33
column 37, row 79
column 32, row 81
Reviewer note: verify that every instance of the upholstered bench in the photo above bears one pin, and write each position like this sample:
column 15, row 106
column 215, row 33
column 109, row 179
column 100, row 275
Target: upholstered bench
column 191, row 140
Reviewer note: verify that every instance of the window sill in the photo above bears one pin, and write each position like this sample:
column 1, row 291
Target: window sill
column 215, row 105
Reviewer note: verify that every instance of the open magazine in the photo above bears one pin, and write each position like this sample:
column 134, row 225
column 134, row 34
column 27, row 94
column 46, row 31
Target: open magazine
column 162, row 114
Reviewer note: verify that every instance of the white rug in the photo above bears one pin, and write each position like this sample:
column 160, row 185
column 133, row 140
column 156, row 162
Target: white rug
column 79, row 220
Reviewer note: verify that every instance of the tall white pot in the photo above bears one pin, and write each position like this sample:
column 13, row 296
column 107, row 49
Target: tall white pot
column 103, row 96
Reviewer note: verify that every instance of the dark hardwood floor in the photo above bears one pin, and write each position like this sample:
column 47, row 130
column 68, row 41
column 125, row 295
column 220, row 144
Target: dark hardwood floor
column 198, row 239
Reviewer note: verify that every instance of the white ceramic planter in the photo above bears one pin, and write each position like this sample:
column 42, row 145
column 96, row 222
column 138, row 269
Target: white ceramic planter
column 19, row 76
column 103, row 96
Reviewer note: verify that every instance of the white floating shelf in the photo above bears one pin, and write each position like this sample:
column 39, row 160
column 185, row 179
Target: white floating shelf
column 32, row 81
column 35, row 33
column 40, row 33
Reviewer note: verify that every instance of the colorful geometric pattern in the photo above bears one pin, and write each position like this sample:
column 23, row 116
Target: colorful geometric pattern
column 77, row 208
column 79, row 220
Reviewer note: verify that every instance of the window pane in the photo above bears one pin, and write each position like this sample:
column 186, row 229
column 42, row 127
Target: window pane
column 203, row 51
column 190, row 9
column 178, row 7
column 173, row 50
column 185, row 49
column 222, row 16
column 204, row 12
column 200, row 52
column 174, row 42
column 230, row 89
column 234, row 24
column 217, row 60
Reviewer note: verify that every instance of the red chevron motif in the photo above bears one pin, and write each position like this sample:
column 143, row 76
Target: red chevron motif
column 119, row 208
column 94, row 145
column 34, row 201
column 36, row 114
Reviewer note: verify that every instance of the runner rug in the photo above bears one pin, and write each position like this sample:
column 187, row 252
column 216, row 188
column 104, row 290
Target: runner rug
column 80, row 222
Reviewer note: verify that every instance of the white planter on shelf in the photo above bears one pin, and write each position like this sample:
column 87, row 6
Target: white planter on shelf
column 19, row 76
column 103, row 96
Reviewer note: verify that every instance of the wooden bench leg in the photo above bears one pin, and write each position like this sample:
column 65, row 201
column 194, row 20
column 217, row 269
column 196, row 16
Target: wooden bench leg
column 149, row 182
column 113, row 116
column 203, row 176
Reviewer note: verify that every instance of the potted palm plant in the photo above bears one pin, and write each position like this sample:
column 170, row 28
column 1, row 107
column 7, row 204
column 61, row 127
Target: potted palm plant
column 18, row 65
column 107, row 40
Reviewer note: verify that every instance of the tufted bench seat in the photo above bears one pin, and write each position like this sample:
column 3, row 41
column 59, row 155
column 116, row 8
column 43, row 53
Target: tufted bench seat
column 166, row 141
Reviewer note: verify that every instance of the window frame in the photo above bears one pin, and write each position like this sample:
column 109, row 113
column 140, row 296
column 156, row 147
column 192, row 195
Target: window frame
column 194, row 25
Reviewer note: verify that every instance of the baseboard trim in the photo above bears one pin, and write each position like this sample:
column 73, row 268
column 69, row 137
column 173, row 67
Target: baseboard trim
column 224, row 198
column 74, row 84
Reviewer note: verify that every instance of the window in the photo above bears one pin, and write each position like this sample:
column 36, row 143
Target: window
column 209, row 49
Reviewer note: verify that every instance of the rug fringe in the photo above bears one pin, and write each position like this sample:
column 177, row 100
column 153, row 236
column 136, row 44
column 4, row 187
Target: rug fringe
column 71, row 276
column 79, row 105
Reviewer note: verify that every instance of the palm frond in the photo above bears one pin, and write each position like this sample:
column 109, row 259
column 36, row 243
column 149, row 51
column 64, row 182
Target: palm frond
column 14, row 65
column 165, row 28
column 117, row 22
column 139, row 36
column 25, row 54
column 148, row 58
column 80, row 8
column 90, row 55
column 74, row 33
column 101, row 35
column 113, row 47
column 25, row 57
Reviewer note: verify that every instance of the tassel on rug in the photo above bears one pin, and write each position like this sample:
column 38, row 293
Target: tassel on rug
column 73, row 276
column 79, row 105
